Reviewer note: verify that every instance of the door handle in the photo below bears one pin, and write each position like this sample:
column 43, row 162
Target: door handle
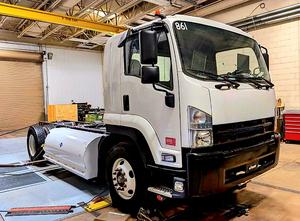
column 126, row 102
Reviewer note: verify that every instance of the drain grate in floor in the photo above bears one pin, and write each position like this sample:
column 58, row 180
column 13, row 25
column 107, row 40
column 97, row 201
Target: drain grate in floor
column 11, row 182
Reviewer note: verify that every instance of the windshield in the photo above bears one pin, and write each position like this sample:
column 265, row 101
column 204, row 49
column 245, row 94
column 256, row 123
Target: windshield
column 208, row 50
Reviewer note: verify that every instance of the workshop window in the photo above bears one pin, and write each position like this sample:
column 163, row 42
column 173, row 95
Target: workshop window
column 132, row 59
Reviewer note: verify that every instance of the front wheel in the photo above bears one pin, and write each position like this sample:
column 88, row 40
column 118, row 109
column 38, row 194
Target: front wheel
column 126, row 178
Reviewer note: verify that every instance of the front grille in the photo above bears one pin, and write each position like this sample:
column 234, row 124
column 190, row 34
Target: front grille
column 243, row 134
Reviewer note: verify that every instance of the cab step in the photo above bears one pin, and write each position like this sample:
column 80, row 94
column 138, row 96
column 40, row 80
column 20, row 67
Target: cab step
column 162, row 190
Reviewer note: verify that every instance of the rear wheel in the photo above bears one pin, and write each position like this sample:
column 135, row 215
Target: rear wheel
column 126, row 178
column 35, row 139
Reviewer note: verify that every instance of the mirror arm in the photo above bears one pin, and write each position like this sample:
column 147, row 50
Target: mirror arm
column 169, row 98
column 262, row 47
column 159, row 89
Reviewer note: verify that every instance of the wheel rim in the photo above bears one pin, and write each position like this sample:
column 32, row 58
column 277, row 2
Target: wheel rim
column 123, row 178
column 31, row 144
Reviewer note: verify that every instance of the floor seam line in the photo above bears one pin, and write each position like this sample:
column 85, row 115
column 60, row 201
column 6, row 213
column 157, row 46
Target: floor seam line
column 276, row 187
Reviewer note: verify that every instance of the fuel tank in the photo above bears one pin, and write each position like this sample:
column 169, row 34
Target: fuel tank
column 75, row 150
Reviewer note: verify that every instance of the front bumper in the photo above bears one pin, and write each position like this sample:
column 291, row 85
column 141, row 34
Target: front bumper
column 210, row 173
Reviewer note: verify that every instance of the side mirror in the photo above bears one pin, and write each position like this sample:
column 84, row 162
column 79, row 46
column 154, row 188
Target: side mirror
column 148, row 40
column 150, row 74
column 266, row 56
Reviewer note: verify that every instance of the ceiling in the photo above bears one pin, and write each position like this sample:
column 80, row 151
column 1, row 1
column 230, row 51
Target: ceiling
column 127, row 13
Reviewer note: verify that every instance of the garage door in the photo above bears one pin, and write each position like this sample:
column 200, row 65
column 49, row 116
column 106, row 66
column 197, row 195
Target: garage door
column 21, row 89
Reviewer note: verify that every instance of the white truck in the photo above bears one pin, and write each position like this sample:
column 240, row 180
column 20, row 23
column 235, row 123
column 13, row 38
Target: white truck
column 189, row 112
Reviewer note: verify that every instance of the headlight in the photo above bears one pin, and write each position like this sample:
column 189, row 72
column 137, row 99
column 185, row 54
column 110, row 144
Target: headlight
column 200, row 128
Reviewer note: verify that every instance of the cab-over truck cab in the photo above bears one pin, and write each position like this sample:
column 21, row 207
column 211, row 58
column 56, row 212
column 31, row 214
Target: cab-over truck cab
column 189, row 112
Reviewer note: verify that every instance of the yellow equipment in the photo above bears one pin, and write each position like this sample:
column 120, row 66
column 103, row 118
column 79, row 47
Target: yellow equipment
column 50, row 17
column 61, row 112
column 96, row 205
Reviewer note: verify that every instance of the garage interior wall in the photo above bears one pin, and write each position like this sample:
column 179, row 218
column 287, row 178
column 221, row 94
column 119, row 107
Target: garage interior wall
column 74, row 75
column 71, row 74
column 282, row 41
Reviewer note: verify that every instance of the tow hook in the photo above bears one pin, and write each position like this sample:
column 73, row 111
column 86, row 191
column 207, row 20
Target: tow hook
column 242, row 185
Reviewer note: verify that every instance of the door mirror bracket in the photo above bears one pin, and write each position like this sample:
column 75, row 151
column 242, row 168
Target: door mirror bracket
column 169, row 98
column 265, row 55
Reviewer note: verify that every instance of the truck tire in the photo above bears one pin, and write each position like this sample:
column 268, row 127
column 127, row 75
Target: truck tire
column 35, row 139
column 126, row 178
column 48, row 127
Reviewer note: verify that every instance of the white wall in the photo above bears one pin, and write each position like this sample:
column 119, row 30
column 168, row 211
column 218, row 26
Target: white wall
column 74, row 75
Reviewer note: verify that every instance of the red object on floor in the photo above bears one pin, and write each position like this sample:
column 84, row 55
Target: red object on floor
column 39, row 210
column 291, row 120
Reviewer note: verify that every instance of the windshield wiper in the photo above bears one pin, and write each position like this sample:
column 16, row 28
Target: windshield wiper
column 239, row 75
column 255, row 81
column 234, row 84
column 215, row 77
column 271, row 85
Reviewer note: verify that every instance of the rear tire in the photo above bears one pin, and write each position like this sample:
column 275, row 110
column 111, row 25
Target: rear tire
column 125, row 175
column 35, row 139
column 48, row 127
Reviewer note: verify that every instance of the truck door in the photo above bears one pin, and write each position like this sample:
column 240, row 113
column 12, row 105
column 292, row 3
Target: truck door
column 143, row 100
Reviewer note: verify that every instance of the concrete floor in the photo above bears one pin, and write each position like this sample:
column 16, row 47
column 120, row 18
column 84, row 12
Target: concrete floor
column 58, row 188
column 272, row 196
column 275, row 195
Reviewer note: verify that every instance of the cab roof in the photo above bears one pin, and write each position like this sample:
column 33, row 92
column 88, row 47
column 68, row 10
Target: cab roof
column 171, row 19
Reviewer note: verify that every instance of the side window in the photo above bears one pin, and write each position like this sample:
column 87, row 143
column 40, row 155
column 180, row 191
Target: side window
column 132, row 59
column 164, row 61
column 132, row 56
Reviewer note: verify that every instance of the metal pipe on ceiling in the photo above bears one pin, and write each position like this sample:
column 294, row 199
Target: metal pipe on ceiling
column 272, row 15
column 278, row 15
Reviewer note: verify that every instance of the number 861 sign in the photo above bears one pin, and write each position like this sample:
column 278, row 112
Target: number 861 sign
column 181, row 26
